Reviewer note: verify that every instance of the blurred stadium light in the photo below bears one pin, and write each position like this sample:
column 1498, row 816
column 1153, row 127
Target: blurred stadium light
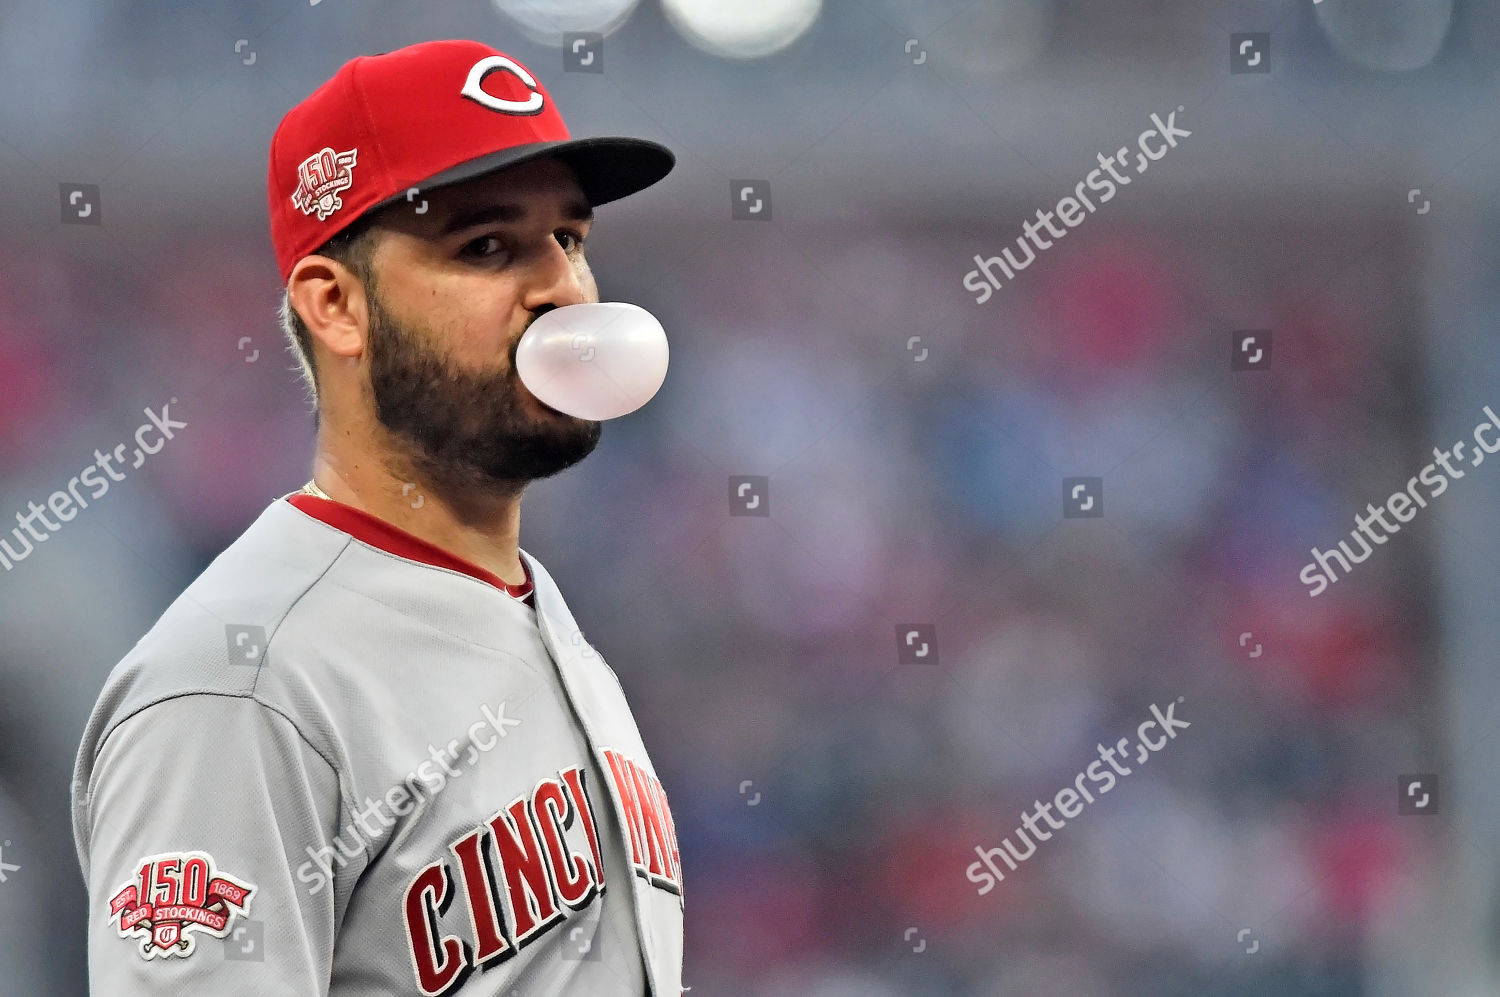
column 742, row 30
column 546, row 21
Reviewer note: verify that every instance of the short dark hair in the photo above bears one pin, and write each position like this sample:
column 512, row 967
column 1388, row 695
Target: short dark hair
column 354, row 247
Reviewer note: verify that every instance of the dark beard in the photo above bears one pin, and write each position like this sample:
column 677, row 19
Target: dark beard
column 466, row 429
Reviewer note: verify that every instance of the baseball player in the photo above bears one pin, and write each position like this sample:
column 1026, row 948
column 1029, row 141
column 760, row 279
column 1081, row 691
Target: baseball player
column 368, row 750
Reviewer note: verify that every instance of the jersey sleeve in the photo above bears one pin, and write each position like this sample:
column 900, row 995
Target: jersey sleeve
column 196, row 813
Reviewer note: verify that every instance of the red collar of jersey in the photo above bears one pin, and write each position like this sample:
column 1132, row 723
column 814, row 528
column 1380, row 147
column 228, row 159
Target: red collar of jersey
column 382, row 535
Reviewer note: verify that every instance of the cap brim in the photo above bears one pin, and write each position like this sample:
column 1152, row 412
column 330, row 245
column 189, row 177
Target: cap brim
column 608, row 167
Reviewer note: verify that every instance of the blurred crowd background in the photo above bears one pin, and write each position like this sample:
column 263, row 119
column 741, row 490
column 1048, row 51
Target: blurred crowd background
column 829, row 798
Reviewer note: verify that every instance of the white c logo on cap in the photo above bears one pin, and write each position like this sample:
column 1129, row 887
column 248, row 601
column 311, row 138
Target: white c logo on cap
column 489, row 64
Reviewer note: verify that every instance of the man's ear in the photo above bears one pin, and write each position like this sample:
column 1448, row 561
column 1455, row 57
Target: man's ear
column 331, row 302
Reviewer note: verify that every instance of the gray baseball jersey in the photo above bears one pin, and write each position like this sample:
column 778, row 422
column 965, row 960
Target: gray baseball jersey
column 345, row 762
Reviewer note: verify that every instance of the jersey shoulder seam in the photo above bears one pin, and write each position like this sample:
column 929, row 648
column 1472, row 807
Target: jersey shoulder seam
column 253, row 692
column 291, row 607
column 247, row 695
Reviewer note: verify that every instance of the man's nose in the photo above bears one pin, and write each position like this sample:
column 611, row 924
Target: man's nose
column 554, row 279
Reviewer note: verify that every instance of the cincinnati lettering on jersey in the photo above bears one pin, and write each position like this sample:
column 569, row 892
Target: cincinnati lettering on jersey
column 518, row 876
column 653, row 835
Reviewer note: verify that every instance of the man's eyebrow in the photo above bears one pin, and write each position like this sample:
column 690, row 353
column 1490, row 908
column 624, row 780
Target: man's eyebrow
column 509, row 213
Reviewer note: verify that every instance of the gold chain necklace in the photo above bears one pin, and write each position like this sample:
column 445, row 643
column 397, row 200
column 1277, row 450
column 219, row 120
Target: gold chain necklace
column 311, row 488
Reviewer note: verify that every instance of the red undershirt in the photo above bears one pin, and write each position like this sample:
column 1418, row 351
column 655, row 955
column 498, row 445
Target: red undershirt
column 382, row 535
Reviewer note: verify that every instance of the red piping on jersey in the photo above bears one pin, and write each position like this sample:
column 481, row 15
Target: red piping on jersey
column 392, row 539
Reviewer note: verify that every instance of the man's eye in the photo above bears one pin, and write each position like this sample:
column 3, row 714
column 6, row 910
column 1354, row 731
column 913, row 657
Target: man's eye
column 477, row 247
column 577, row 240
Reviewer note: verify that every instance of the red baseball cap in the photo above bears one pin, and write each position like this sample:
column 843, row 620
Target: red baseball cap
column 425, row 116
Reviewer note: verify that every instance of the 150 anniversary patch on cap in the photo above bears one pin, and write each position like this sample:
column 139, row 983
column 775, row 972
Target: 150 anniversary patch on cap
column 175, row 895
